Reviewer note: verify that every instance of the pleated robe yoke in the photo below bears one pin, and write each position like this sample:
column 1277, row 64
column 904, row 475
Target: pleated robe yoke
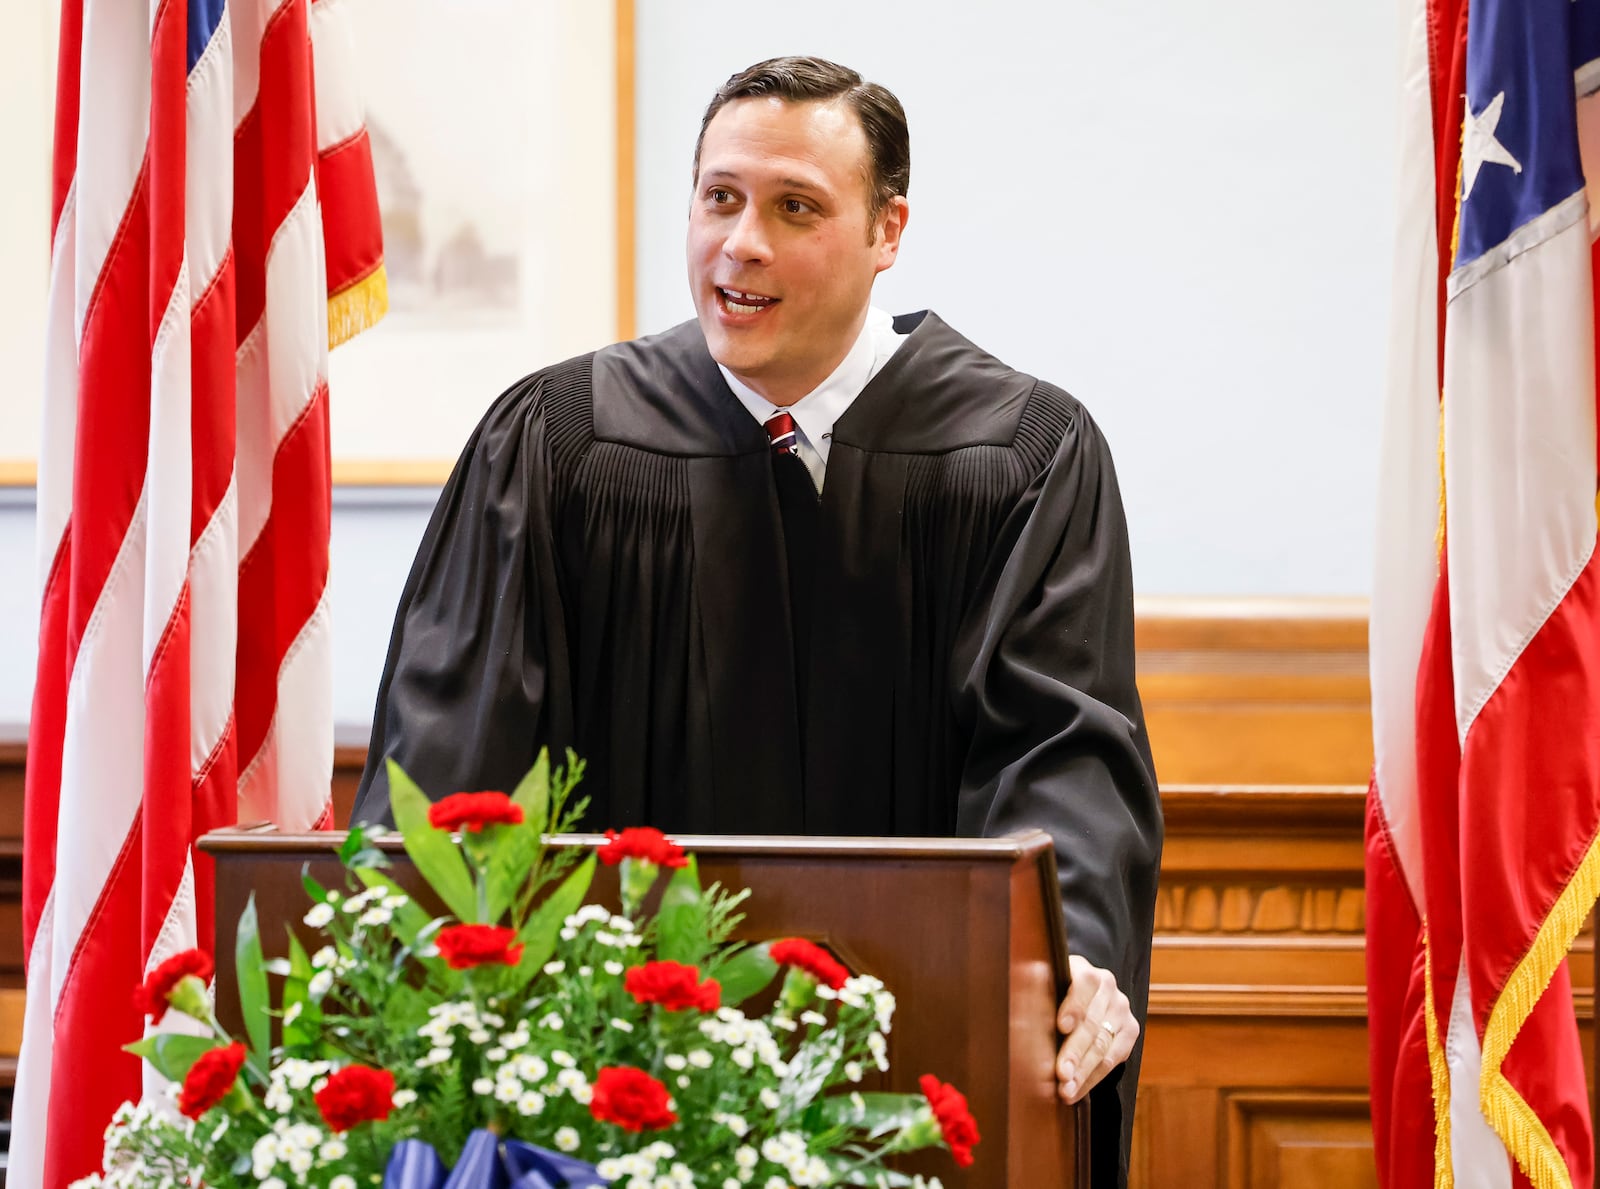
column 750, row 710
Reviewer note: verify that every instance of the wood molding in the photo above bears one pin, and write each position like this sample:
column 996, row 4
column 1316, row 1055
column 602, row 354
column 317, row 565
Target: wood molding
column 1256, row 691
column 347, row 472
column 18, row 472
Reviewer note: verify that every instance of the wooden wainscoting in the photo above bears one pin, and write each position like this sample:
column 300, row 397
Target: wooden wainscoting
column 1256, row 691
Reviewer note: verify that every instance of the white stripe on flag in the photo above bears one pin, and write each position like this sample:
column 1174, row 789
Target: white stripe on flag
column 1478, row 1158
column 1408, row 472
column 111, row 136
column 1519, row 444
column 100, row 792
column 30, row 1103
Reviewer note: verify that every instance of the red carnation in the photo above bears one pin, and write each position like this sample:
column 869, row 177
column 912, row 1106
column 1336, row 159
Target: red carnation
column 151, row 999
column 631, row 1099
column 474, row 811
column 811, row 958
column 642, row 842
column 674, row 986
column 466, row 946
column 356, row 1094
column 210, row 1078
column 955, row 1120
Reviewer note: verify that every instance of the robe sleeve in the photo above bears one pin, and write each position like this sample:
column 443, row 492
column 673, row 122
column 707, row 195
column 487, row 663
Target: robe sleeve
column 1044, row 675
column 465, row 699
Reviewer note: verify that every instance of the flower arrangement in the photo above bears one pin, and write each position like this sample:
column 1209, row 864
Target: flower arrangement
column 524, row 1031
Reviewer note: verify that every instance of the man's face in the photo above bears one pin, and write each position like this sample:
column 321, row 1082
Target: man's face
column 782, row 250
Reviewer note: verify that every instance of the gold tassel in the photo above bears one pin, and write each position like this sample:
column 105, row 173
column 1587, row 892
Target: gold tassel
column 1514, row 1121
column 1444, row 1176
column 358, row 306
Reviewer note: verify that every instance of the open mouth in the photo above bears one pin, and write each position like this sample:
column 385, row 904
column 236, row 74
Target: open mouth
column 735, row 301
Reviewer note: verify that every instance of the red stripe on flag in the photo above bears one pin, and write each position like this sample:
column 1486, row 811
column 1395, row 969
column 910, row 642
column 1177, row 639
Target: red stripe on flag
column 69, row 75
column 350, row 221
column 274, row 154
column 283, row 577
column 47, row 727
column 212, row 410
column 1447, row 68
column 1402, row 1080
column 92, row 1075
column 113, row 412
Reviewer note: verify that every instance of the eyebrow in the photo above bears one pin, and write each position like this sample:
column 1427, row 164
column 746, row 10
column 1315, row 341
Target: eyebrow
column 788, row 183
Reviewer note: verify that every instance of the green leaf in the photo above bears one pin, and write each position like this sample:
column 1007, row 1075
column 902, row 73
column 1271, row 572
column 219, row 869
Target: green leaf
column 315, row 890
column 533, row 793
column 173, row 1053
column 409, row 919
column 747, row 972
column 354, row 842
column 300, row 1032
column 252, row 975
column 877, row 1114
column 405, row 1011
column 544, row 926
column 681, row 923
column 438, row 858
column 516, row 848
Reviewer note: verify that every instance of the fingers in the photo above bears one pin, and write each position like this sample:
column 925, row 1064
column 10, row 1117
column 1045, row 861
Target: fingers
column 1099, row 1027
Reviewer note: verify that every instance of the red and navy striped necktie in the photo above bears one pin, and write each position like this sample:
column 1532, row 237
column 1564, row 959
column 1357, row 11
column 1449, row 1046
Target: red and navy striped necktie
column 781, row 430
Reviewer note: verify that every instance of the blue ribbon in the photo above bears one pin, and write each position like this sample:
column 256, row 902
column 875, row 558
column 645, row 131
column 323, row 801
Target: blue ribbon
column 488, row 1162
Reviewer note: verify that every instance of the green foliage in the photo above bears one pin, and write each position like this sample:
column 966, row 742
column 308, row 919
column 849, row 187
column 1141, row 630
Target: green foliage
column 746, row 972
column 250, row 969
column 516, row 850
column 438, row 858
column 301, row 1031
column 544, row 926
column 872, row 1115
column 172, row 1054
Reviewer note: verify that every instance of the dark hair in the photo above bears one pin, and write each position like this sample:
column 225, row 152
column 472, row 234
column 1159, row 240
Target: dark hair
column 801, row 80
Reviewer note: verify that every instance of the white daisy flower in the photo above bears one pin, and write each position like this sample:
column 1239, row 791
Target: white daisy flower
column 319, row 915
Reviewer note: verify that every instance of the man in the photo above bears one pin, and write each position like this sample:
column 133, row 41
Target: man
column 940, row 642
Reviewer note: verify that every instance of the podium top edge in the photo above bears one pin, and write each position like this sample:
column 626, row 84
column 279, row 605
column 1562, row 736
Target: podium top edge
column 266, row 839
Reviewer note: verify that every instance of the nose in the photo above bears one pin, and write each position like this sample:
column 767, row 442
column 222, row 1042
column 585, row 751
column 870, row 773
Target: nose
column 747, row 241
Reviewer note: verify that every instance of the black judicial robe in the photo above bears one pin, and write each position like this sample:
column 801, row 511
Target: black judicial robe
column 606, row 569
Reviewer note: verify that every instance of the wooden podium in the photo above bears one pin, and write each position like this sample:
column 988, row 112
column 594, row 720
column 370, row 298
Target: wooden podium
column 967, row 933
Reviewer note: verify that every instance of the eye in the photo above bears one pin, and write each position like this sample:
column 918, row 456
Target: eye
column 794, row 206
column 719, row 196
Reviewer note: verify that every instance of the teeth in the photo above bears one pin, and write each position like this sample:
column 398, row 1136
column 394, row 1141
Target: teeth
column 729, row 297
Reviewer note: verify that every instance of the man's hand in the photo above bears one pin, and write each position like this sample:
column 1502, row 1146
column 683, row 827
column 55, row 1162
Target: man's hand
column 1099, row 1028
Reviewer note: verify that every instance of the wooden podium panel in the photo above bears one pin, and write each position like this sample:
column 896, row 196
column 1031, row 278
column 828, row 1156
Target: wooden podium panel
column 967, row 934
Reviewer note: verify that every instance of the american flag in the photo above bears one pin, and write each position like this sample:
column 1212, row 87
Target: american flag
column 215, row 229
column 1482, row 859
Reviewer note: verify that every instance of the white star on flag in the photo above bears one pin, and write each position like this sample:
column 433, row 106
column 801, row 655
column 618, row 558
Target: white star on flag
column 1479, row 147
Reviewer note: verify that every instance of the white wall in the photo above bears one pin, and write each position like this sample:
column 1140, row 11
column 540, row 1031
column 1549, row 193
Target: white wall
column 1180, row 212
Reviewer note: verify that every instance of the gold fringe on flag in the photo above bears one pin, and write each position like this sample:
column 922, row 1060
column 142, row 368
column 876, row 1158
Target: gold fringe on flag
column 358, row 306
column 1511, row 1117
column 1444, row 1176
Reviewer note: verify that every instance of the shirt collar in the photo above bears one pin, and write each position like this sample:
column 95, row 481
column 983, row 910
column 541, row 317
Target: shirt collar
column 817, row 410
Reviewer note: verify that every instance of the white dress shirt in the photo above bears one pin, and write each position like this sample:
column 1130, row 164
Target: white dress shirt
column 815, row 413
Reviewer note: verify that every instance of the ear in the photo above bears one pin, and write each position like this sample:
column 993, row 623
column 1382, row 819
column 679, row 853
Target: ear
column 891, row 226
